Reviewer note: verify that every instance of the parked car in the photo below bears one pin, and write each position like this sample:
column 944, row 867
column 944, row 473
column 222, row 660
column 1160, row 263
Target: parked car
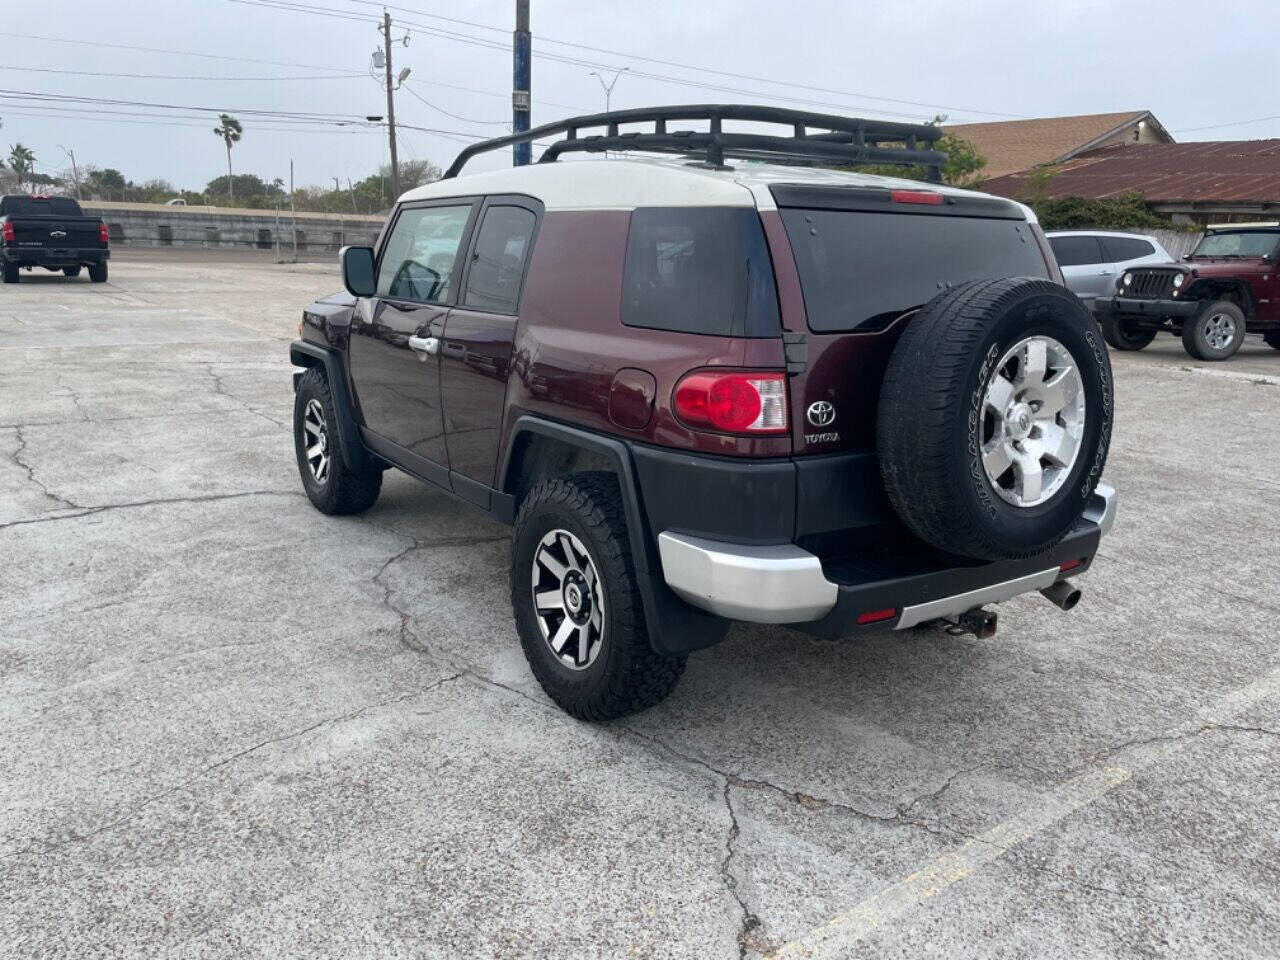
column 176, row 202
column 51, row 232
column 1092, row 260
column 704, row 392
column 1226, row 287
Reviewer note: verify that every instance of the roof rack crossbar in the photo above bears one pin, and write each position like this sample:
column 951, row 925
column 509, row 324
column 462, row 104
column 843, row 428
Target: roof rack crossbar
column 844, row 140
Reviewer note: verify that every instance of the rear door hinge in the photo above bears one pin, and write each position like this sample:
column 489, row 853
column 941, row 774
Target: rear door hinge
column 795, row 351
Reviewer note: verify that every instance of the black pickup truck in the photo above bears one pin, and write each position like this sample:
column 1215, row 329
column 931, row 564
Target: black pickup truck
column 51, row 232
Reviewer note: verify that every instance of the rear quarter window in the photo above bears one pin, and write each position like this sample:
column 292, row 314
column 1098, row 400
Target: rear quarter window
column 860, row 271
column 702, row 270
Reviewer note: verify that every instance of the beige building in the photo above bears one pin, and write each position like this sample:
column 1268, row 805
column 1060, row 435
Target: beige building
column 1015, row 146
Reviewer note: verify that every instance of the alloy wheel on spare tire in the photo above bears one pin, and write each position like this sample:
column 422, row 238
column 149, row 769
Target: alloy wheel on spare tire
column 995, row 417
column 1122, row 335
column 1216, row 332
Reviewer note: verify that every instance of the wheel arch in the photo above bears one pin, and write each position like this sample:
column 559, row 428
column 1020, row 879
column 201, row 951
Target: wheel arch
column 329, row 362
column 1211, row 289
column 538, row 449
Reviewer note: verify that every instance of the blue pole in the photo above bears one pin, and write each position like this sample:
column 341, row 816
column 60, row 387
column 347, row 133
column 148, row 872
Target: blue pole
column 520, row 103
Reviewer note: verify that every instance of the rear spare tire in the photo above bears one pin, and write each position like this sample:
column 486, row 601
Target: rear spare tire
column 995, row 417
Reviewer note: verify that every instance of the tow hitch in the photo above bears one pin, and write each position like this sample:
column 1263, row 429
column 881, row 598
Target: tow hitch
column 979, row 621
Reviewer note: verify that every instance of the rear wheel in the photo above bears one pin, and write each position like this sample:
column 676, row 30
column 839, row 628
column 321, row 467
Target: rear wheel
column 1123, row 335
column 1216, row 332
column 577, row 603
column 98, row 272
column 995, row 418
column 10, row 273
column 71, row 271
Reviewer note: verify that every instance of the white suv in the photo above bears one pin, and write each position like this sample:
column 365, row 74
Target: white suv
column 1091, row 260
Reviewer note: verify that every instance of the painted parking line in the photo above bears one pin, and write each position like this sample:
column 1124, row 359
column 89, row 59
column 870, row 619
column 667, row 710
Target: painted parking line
column 836, row 937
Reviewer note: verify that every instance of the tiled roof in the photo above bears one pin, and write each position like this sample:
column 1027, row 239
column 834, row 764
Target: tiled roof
column 1011, row 146
column 1225, row 171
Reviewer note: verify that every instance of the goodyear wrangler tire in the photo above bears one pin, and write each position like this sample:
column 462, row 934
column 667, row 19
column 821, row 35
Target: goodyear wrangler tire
column 995, row 417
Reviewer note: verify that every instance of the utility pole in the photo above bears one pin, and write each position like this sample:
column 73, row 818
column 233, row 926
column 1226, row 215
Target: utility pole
column 391, row 106
column 521, row 49
column 75, row 173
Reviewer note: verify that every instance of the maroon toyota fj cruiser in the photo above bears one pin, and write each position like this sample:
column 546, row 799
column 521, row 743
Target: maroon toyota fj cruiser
column 706, row 390
column 1227, row 286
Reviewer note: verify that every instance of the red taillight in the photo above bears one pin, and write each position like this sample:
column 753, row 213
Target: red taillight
column 877, row 616
column 1071, row 565
column 8, row 232
column 734, row 402
column 102, row 233
column 927, row 197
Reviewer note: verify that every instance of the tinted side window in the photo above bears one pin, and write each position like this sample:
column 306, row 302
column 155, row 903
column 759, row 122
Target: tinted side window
column 699, row 270
column 420, row 255
column 497, row 265
column 1116, row 249
column 1076, row 251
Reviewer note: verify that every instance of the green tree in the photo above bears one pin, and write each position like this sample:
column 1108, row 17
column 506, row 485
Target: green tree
column 106, row 182
column 962, row 169
column 22, row 161
column 230, row 130
column 248, row 186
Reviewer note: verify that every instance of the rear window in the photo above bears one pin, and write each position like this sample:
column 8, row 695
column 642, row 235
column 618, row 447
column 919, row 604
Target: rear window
column 40, row 207
column 861, row 271
column 699, row 270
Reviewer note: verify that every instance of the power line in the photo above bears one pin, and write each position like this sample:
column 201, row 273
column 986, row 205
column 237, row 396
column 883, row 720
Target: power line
column 688, row 66
column 417, row 96
column 169, row 76
column 246, row 111
column 1219, row 126
column 176, row 53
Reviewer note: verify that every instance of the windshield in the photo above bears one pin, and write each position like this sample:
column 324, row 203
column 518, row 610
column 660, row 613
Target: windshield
column 1251, row 243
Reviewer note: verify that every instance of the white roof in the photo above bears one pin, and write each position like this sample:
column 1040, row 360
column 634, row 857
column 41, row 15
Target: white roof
column 624, row 183
column 1099, row 233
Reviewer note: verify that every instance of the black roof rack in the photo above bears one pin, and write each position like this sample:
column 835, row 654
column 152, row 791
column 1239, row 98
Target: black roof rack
column 839, row 140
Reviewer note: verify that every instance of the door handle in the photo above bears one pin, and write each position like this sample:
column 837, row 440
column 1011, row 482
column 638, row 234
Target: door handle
column 427, row 345
column 1106, row 273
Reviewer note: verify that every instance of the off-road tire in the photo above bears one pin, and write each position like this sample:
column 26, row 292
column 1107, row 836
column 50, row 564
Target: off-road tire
column 627, row 675
column 1271, row 338
column 930, row 423
column 1195, row 333
column 98, row 273
column 10, row 273
column 1120, row 335
column 71, row 271
column 343, row 490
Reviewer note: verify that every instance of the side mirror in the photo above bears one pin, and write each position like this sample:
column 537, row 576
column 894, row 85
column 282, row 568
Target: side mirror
column 357, row 271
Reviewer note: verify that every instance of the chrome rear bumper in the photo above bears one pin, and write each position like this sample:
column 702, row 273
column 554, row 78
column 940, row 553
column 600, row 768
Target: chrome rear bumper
column 786, row 584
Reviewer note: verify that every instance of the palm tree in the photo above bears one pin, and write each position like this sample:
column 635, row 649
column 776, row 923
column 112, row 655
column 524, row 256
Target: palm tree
column 229, row 130
column 21, row 160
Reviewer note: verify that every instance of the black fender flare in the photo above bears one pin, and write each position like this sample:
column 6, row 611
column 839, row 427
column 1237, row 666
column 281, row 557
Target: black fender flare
column 675, row 628
column 303, row 353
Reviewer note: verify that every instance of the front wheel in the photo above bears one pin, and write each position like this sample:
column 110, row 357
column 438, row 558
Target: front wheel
column 71, row 271
column 98, row 272
column 332, row 486
column 577, row 604
column 1215, row 333
column 1123, row 335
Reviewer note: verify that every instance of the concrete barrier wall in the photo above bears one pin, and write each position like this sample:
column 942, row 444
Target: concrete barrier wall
column 155, row 225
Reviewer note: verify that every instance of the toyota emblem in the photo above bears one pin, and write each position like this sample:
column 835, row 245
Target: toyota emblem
column 821, row 413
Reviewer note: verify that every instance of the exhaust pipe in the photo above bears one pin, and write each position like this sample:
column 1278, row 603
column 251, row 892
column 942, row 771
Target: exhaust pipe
column 981, row 623
column 1062, row 595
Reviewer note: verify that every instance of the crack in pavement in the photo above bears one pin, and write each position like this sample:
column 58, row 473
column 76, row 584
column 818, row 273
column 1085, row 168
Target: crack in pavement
column 16, row 457
column 141, row 805
column 219, row 389
column 86, row 511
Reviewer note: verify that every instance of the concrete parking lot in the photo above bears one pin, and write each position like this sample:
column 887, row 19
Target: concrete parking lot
column 235, row 727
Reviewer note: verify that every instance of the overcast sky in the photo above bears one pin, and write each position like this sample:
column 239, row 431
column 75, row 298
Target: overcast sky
column 1193, row 66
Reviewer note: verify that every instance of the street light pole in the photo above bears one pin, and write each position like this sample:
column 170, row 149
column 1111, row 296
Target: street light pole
column 608, row 87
